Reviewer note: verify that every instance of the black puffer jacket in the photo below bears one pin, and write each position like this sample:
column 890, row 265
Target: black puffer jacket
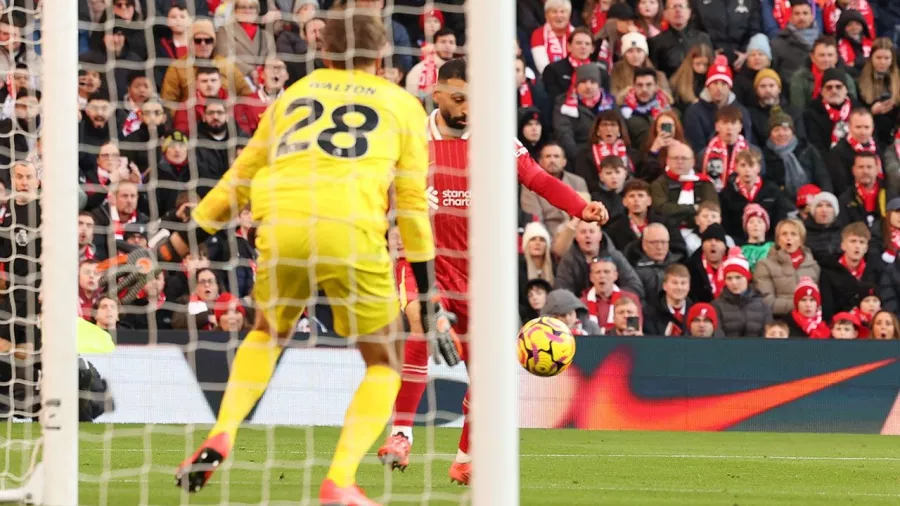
column 650, row 271
column 824, row 241
column 742, row 315
column 809, row 159
column 729, row 23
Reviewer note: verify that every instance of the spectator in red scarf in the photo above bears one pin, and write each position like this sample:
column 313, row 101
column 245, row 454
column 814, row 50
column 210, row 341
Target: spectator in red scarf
column 854, row 41
column 422, row 77
column 793, row 43
column 152, row 129
column 827, row 118
column 720, row 155
column 868, row 307
column 642, row 103
column 209, row 86
column 746, row 188
column 667, row 312
column 740, row 307
column 574, row 113
column 670, row 48
column 823, row 229
column 111, row 217
column 845, row 276
column 865, row 199
column 272, row 78
column 702, row 321
column 245, row 39
column 594, row 14
column 197, row 311
column 604, row 293
column 86, row 248
column 549, row 43
column 845, row 326
column 859, row 139
column 609, row 137
column 705, row 264
column 679, row 190
column 777, row 275
column 557, row 77
column 891, row 232
column 128, row 115
column 88, row 283
column 806, row 318
column 700, row 117
column 619, row 22
column 807, row 83
column 833, row 11
column 172, row 40
column 149, row 306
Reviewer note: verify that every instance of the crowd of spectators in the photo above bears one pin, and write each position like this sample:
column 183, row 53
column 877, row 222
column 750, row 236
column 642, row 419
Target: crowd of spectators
column 747, row 152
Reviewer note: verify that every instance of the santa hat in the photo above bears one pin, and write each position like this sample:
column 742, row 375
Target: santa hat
column 805, row 193
column 737, row 264
column 225, row 301
column 847, row 316
column 702, row 310
column 751, row 210
column 719, row 71
column 807, row 287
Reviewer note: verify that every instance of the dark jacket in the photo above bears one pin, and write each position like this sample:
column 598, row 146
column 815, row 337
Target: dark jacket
column 586, row 167
column 759, row 119
column 622, row 234
column 573, row 270
column 700, row 121
column 889, row 288
column 557, row 78
column 770, row 197
column 657, row 316
column 789, row 53
column 808, row 157
column 139, row 315
column 222, row 250
column 839, row 163
column 103, row 235
column 728, row 25
column 818, row 129
column 701, row 290
column 853, row 210
column 742, row 315
column 213, row 158
column 841, row 290
column 650, row 271
column 572, row 133
column 665, row 192
column 671, row 47
column 824, row 241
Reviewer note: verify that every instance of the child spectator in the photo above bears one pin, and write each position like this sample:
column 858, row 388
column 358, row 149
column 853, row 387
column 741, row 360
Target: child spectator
column 776, row 330
column 756, row 224
column 885, row 326
column 702, row 321
column 230, row 314
column 566, row 307
column 607, row 184
column 845, row 326
column 868, row 307
column 806, row 318
column 667, row 311
column 609, row 137
column 854, row 41
column 701, row 117
column 748, row 188
column 630, row 227
column 741, row 309
column 823, row 229
column 536, row 291
column 708, row 212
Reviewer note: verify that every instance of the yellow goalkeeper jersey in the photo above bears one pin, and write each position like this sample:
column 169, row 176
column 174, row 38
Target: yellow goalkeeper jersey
column 328, row 150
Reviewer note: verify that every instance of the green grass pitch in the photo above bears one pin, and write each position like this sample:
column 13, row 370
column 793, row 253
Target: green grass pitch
column 126, row 465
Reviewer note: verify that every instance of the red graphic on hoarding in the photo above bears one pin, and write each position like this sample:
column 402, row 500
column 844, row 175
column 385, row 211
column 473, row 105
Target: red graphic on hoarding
column 608, row 402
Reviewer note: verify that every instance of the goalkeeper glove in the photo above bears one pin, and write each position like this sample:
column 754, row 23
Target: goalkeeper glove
column 129, row 273
column 442, row 340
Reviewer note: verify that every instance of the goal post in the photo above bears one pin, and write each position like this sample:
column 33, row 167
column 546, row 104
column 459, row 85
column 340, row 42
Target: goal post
column 59, row 383
column 492, row 253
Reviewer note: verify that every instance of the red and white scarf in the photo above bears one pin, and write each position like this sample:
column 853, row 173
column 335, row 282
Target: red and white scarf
column 865, row 319
column 869, row 198
column 637, row 228
column 675, row 329
column 525, row 98
column 797, row 258
column 897, row 143
column 831, row 13
column 813, row 327
column 717, row 151
column 686, row 197
column 856, row 273
column 838, row 117
column 557, row 47
column 119, row 225
column 197, row 306
column 848, row 53
column 868, row 147
column 605, row 55
column 593, row 302
column 749, row 193
column 782, row 12
column 602, row 102
column 892, row 246
column 598, row 19
column 87, row 253
column 653, row 108
column 572, row 93
column 715, row 276
column 429, row 74
column 601, row 150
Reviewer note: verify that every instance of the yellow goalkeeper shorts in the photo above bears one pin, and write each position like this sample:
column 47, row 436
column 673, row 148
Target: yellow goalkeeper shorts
column 352, row 267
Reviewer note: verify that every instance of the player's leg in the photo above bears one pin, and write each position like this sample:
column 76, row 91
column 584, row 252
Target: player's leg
column 460, row 470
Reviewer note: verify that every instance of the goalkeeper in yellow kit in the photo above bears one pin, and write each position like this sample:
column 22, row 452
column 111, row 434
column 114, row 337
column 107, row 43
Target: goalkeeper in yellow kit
column 318, row 172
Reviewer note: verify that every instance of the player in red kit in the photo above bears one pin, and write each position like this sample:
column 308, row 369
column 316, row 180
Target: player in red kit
column 449, row 200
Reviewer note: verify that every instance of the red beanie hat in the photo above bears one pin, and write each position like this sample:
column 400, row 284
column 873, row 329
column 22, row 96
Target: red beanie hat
column 736, row 263
column 807, row 287
column 705, row 310
column 719, row 71
column 433, row 13
column 751, row 210
column 225, row 301
column 850, row 317
column 805, row 193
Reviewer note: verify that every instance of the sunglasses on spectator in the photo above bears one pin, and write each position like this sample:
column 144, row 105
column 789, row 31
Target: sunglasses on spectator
column 203, row 40
column 124, row 5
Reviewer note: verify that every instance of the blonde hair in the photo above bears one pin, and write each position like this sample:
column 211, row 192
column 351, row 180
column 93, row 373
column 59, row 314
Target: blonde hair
column 682, row 80
column 870, row 88
column 801, row 230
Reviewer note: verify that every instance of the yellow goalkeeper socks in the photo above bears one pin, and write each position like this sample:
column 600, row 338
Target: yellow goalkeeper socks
column 251, row 371
column 366, row 417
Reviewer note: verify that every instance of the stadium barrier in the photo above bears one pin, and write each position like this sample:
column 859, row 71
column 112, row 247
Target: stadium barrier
column 614, row 384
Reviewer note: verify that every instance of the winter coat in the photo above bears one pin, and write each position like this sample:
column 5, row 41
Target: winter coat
column 700, row 121
column 701, row 290
column 802, row 83
column 824, row 241
column 808, row 157
column 818, row 129
column 292, row 47
column 664, row 192
column 177, row 81
column 853, row 210
column 889, row 288
column 671, row 47
column 557, row 78
column 841, row 290
column 246, row 53
column 657, row 316
column 743, row 315
column 728, row 24
column 789, row 54
column 586, row 167
column 759, row 120
column 650, row 271
column 775, row 278
column 573, row 271
column 622, row 235
column 770, row 197
column 573, row 133
column 839, row 163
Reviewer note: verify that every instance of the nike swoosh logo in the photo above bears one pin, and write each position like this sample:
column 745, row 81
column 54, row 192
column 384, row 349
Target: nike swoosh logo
column 611, row 404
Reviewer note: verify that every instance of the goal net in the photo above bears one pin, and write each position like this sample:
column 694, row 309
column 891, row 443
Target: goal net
column 169, row 93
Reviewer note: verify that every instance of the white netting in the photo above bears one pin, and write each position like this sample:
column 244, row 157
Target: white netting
column 141, row 80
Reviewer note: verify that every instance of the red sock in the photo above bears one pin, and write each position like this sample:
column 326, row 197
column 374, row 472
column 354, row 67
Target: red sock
column 464, row 436
column 415, row 379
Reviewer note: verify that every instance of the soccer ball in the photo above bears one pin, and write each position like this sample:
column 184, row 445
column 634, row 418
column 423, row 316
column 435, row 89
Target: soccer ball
column 546, row 346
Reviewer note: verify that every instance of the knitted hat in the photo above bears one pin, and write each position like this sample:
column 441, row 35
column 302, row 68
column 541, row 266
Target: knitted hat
column 760, row 42
column 535, row 229
column 719, row 71
column 205, row 27
column 893, row 204
column 805, row 193
column 620, row 11
column 634, row 39
column 847, row 316
column 702, row 310
column 588, row 72
column 834, row 74
column 225, row 301
column 777, row 117
column 766, row 74
column 754, row 209
column 827, row 197
column 433, row 13
column 806, row 287
column 714, row 231
column 736, row 263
